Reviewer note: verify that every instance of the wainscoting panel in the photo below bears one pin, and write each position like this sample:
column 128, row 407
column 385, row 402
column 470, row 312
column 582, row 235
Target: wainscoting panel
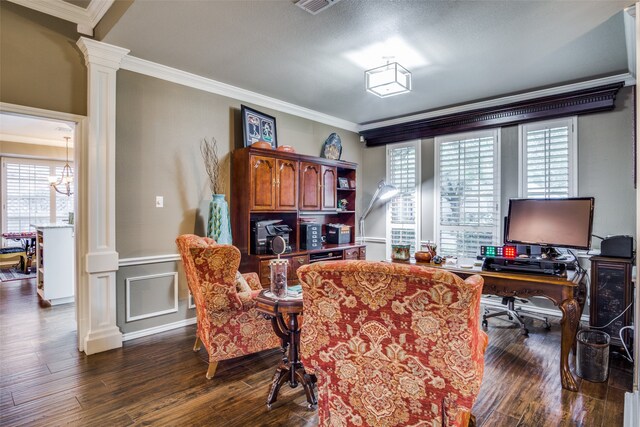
column 152, row 295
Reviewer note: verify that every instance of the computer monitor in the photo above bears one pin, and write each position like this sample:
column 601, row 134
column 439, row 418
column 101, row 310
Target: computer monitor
column 564, row 223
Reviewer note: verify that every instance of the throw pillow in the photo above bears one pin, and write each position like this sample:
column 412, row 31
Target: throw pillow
column 241, row 283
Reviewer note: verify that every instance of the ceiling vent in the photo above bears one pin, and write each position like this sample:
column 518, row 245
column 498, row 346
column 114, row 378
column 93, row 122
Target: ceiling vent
column 315, row 6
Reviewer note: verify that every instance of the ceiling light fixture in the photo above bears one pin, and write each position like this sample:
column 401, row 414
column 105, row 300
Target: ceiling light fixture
column 66, row 177
column 388, row 80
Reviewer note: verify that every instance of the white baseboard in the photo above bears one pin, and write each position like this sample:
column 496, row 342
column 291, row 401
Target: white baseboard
column 157, row 329
column 632, row 409
column 496, row 301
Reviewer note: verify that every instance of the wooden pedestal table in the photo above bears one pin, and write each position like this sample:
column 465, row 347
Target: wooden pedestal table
column 283, row 313
column 567, row 293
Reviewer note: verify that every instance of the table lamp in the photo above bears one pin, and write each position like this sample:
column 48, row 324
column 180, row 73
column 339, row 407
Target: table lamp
column 384, row 192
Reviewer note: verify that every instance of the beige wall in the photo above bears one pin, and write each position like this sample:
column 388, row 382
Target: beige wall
column 605, row 165
column 159, row 126
column 40, row 64
column 158, row 132
column 17, row 149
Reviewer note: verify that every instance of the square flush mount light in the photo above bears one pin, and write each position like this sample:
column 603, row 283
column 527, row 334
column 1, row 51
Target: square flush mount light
column 388, row 80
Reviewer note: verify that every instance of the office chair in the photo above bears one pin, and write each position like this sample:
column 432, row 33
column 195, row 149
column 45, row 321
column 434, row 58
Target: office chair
column 514, row 316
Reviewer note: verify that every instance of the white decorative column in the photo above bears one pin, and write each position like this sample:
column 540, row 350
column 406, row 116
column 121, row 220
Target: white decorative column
column 95, row 219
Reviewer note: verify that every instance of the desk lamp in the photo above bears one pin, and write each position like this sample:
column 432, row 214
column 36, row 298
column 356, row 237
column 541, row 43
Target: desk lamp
column 384, row 192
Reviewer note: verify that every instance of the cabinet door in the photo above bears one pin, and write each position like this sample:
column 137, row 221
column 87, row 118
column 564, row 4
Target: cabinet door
column 310, row 186
column 611, row 293
column 263, row 183
column 329, row 187
column 286, row 184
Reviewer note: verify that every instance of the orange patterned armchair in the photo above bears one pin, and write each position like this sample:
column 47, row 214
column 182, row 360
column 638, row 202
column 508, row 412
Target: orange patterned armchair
column 392, row 344
column 228, row 323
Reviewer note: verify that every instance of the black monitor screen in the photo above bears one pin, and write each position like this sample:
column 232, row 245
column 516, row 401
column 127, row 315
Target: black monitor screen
column 551, row 222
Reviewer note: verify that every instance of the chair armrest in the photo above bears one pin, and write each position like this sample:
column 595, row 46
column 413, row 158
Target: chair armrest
column 253, row 280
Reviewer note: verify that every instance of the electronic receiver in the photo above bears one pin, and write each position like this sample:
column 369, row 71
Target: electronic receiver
column 525, row 265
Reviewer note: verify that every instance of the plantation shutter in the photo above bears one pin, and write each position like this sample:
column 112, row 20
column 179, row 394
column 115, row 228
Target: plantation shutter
column 467, row 214
column 28, row 197
column 402, row 214
column 547, row 158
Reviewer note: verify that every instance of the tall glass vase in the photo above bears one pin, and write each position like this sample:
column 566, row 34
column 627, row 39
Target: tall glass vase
column 219, row 225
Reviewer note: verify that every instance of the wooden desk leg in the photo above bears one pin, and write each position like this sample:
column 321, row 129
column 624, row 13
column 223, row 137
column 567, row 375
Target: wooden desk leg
column 570, row 319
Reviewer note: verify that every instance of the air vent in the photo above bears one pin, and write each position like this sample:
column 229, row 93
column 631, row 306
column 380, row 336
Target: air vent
column 315, row 6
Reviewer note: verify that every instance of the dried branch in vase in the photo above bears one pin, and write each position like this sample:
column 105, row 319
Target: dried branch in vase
column 209, row 150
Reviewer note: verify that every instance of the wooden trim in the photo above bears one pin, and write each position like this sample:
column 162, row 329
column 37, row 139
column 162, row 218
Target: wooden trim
column 157, row 329
column 295, row 156
column 574, row 103
column 153, row 259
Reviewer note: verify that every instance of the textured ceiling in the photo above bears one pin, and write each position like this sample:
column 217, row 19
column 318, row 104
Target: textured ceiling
column 458, row 52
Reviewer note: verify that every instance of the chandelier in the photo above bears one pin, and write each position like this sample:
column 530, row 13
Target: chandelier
column 388, row 80
column 63, row 183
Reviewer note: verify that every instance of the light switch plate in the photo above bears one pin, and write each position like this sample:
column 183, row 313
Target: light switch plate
column 159, row 201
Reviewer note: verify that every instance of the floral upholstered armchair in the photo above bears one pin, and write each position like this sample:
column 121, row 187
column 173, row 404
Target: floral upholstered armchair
column 228, row 323
column 392, row 344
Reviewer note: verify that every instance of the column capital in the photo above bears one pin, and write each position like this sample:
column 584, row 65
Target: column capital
column 105, row 54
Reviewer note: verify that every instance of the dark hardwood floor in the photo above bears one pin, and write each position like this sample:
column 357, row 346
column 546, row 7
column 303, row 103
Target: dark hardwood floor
column 158, row 380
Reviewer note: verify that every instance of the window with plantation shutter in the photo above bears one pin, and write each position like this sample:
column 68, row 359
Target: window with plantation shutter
column 403, row 171
column 467, row 193
column 27, row 197
column 548, row 154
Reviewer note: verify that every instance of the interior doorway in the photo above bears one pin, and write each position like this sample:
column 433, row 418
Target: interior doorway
column 39, row 163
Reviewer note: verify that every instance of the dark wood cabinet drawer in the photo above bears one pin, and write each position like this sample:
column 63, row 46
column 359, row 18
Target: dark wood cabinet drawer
column 363, row 253
column 353, row 253
column 295, row 262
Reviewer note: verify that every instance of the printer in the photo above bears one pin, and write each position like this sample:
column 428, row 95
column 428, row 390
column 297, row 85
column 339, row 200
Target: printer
column 263, row 232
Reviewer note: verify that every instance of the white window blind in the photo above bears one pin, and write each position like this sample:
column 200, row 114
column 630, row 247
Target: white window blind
column 547, row 159
column 27, row 196
column 468, row 193
column 403, row 172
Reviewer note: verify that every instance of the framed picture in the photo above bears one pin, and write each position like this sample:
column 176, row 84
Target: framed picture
column 257, row 126
column 343, row 182
column 352, row 183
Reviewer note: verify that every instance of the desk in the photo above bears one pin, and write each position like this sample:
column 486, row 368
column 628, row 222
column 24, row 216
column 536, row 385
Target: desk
column 569, row 294
column 291, row 368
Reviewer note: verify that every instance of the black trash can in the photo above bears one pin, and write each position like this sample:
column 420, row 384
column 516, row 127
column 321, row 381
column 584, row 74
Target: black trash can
column 592, row 355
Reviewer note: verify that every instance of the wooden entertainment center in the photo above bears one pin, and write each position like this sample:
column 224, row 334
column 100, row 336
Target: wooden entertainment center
column 277, row 185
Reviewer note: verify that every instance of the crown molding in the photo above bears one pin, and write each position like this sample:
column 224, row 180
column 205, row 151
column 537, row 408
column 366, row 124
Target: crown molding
column 86, row 19
column 626, row 78
column 97, row 9
column 96, row 52
column 163, row 72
